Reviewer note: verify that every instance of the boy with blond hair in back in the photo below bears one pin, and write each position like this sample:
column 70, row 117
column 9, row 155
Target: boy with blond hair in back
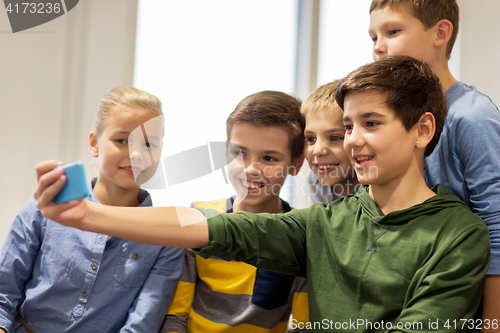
column 332, row 175
column 466, row 159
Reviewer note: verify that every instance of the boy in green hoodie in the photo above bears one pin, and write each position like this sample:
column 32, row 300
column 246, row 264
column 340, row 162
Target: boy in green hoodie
column 395, row 256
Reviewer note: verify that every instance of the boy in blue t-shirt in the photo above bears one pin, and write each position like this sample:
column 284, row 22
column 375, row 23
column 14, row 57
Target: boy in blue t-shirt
column 466, row 159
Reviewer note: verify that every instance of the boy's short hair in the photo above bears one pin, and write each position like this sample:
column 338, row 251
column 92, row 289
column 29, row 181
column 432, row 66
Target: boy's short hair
column 429, row 12
column 409, row 86
column 272, row 108
column 321, row 99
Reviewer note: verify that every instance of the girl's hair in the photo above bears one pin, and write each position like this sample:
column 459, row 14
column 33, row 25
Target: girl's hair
column 124, row 99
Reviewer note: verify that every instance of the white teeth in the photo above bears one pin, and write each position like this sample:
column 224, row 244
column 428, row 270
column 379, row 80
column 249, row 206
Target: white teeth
column 325, row 167
column 252, row 185
column 361, row 159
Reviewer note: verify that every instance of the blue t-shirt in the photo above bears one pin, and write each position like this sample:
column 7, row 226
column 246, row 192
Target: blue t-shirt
column 467, row 158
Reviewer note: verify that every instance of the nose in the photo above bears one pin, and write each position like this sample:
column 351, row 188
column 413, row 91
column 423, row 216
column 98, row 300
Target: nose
column 319, row 148
column 135, row 152
column 354, row 138
column 379, row 49
column 139, row 153
column 253, row 169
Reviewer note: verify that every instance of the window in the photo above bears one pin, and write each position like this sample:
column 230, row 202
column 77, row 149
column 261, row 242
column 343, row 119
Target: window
column 344, row 43
column 201, row 58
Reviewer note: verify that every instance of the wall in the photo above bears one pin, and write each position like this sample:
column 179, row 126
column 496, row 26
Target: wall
column 480, row 46
column 52, row 78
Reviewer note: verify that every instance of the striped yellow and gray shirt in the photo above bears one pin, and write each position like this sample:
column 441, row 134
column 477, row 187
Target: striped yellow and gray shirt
column 214, row 295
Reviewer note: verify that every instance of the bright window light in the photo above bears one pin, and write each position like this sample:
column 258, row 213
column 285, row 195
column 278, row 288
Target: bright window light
column 344, row 43
column 201, row 58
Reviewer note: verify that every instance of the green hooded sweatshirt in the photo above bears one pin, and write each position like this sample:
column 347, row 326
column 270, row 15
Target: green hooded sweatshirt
column 420, row 269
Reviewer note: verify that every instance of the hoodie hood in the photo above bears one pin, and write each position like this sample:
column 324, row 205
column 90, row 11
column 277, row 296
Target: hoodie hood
column 444, row 199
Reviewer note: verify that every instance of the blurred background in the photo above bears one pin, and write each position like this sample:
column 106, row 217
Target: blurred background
column 200, row 58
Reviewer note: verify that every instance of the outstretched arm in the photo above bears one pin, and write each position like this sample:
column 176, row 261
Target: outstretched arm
column 167, row 226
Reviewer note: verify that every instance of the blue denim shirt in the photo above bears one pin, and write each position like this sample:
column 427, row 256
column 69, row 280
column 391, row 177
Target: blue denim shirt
column 63, row 279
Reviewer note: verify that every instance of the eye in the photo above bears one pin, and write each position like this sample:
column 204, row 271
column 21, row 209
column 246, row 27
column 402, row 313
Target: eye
column 270, row 159
column 236, row 152
column 348, row 127
column 149, row 145
column 392, row 32
column 374, row 39
column 310, row 140
column 336, row 138
column 121, row 141
column 371, row 123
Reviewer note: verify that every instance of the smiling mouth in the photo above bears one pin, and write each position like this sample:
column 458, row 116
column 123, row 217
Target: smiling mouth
column 132, row 171
column 362, row 161
column 326, row 167
column 252, row 185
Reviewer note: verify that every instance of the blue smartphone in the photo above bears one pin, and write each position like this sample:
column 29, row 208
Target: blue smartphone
column 76, row 186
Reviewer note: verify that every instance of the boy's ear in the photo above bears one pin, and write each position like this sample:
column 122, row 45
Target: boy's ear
column 426, row 127
column 295, row 167
column 444, row 29
column 93, row 144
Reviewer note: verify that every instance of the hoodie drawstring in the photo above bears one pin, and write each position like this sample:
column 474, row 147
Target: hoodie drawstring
column 374, row 239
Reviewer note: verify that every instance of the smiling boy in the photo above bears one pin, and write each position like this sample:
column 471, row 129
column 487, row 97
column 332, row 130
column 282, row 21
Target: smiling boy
column 332, row 175
column 466, row 158
column 395, row 255
column 265, row 140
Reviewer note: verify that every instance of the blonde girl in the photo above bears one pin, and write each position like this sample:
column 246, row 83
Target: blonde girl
column 60, row 279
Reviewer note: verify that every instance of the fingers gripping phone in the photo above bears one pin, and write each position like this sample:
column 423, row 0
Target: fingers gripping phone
column 76, row 186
